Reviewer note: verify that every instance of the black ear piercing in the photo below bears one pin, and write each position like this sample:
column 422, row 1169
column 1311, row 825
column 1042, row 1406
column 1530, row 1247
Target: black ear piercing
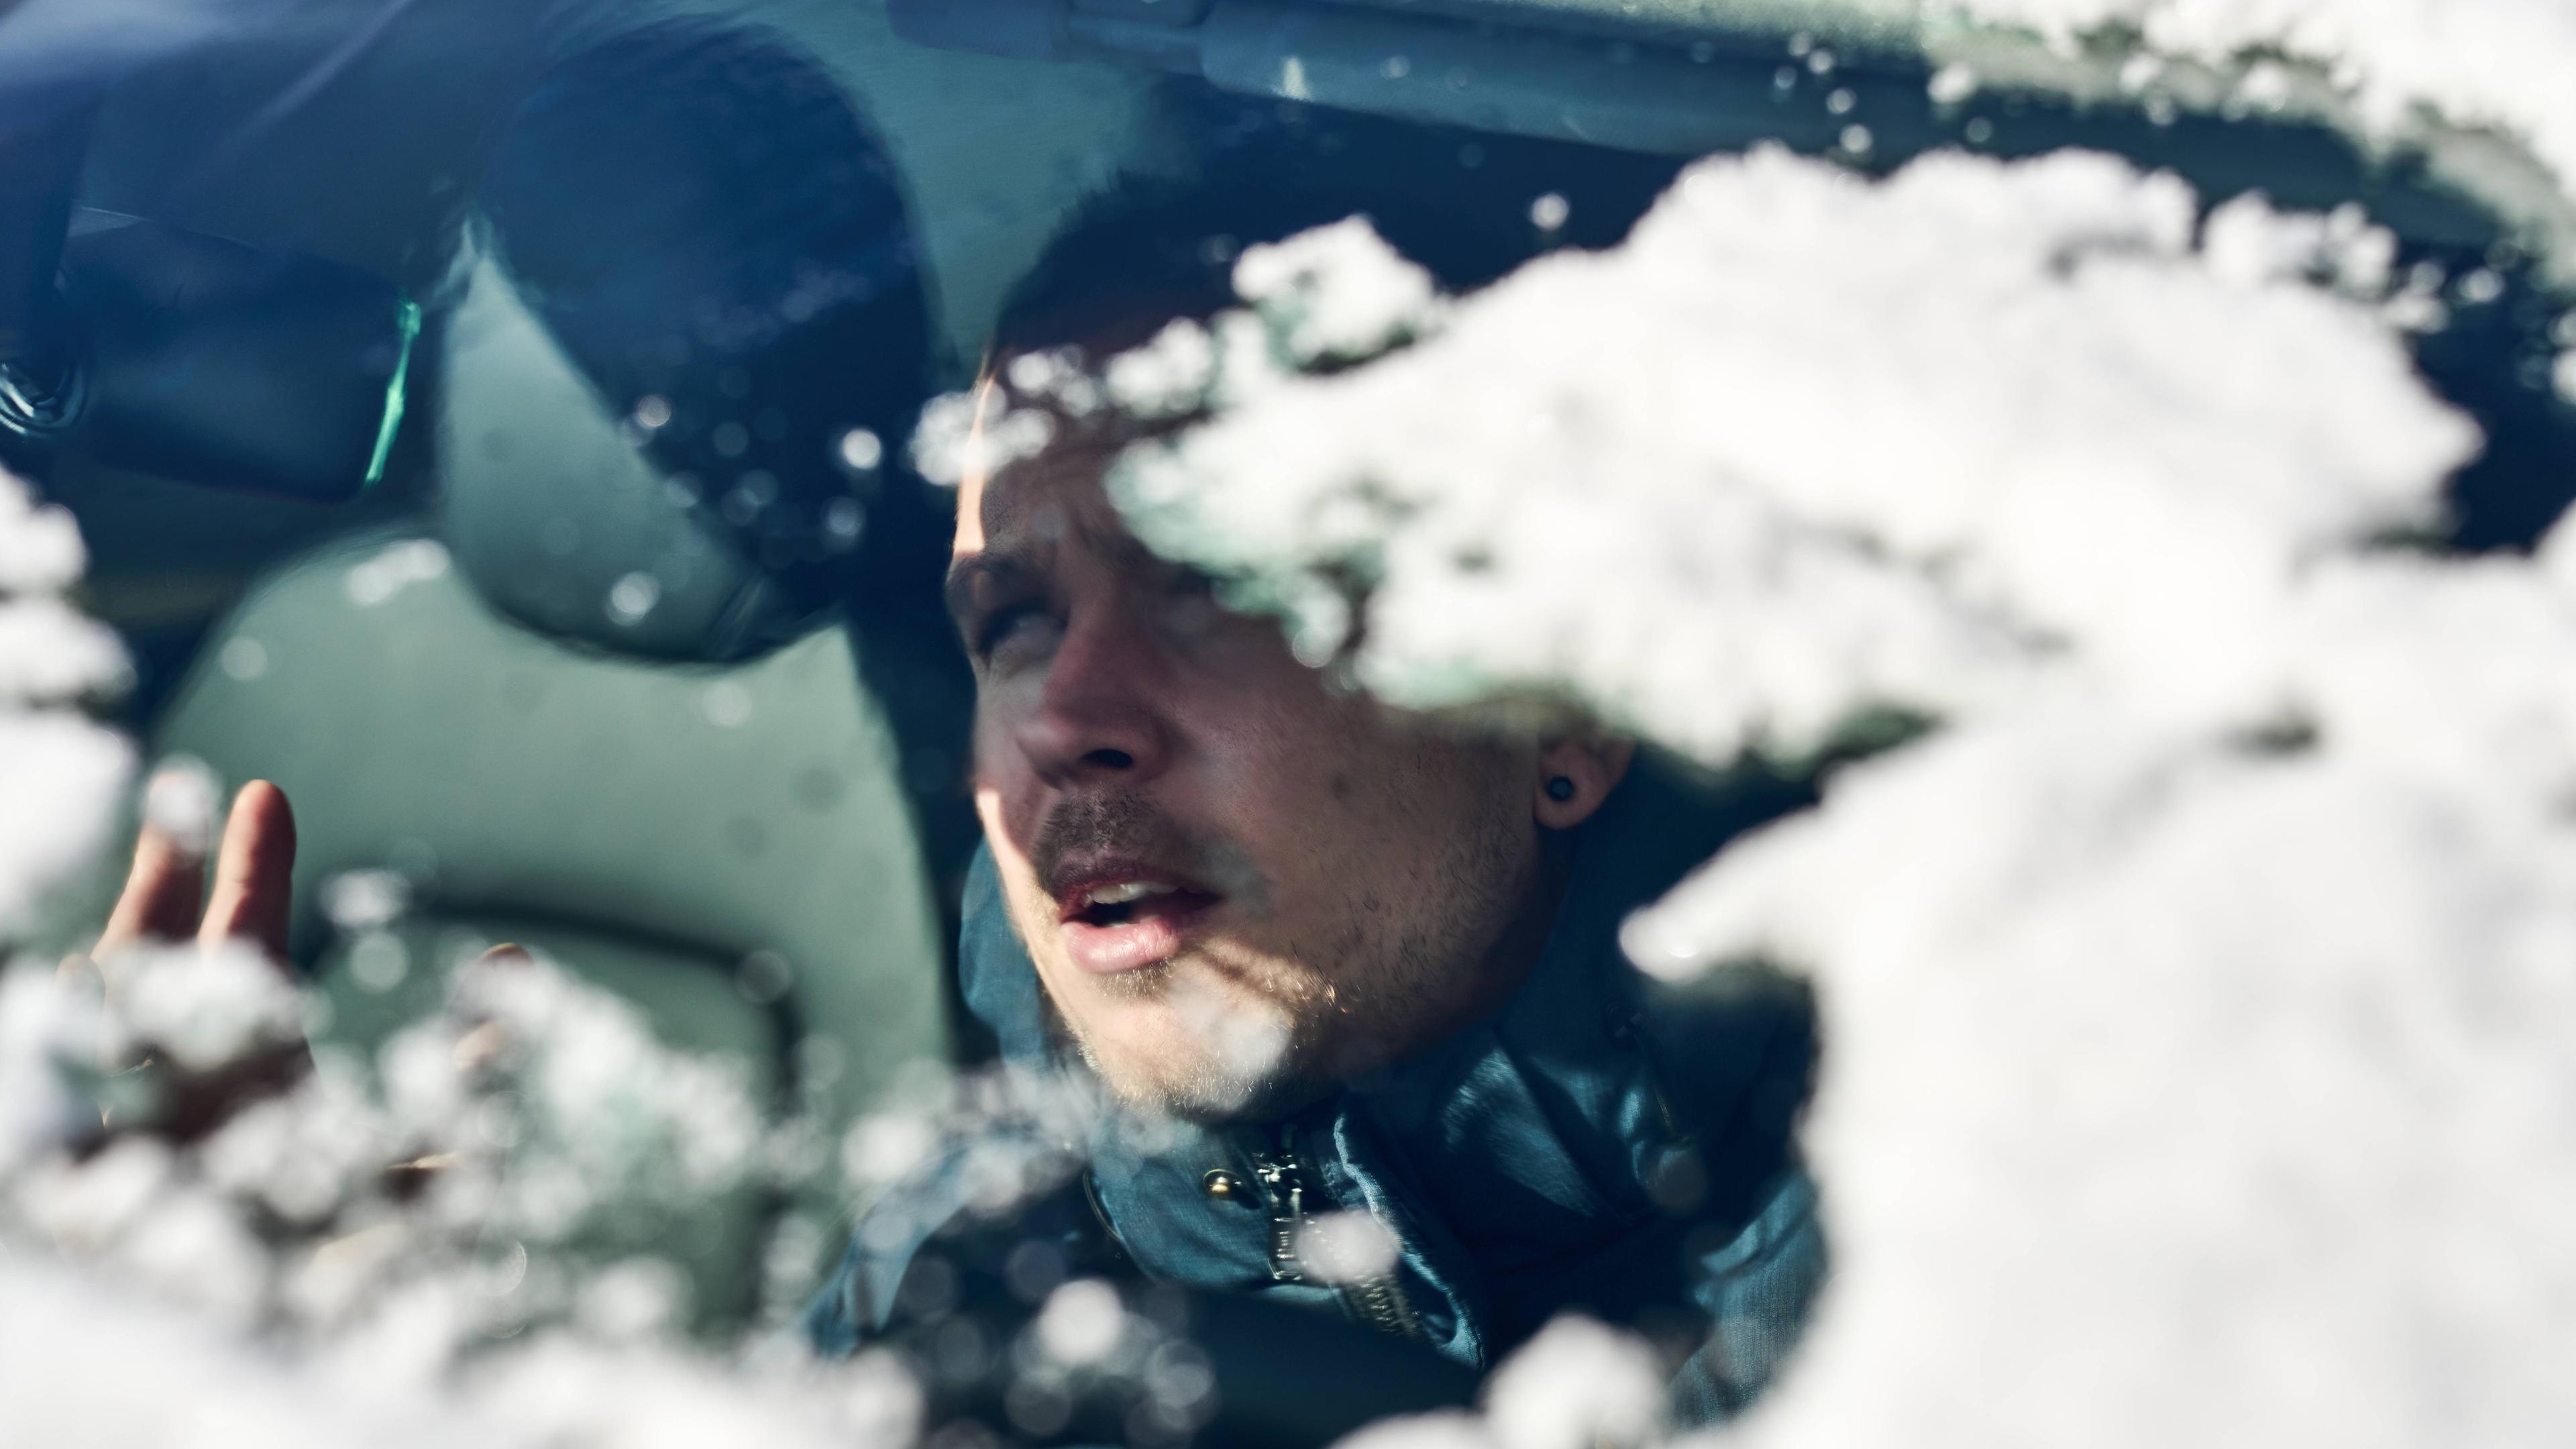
column 1560, row 788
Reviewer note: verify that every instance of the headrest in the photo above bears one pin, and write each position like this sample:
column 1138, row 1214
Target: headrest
column 693, row 341
column 562, row 521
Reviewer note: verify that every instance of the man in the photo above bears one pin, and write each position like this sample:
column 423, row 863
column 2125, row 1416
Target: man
column 1346, row 981
column 1342, row 975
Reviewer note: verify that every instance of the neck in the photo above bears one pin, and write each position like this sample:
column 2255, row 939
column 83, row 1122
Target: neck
column 1524, row 939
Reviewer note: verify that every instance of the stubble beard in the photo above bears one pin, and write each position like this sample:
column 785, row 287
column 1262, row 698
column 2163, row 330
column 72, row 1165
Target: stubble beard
column 1277, row 1029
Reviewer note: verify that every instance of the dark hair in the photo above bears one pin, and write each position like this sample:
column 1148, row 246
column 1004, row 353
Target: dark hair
column 1152, row 249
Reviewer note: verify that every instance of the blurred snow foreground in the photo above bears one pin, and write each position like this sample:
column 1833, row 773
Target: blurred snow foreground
column 190, row 1255
column 2191, row 975
column 2196, row 987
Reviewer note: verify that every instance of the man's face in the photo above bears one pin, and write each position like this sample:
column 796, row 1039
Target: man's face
column 1237, row 883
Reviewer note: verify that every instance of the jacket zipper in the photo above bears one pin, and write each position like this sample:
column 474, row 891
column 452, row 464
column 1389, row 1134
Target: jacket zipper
column 1378, row 1300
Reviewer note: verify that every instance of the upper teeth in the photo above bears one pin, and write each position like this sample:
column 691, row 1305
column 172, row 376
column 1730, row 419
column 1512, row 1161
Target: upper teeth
column 1125, row 891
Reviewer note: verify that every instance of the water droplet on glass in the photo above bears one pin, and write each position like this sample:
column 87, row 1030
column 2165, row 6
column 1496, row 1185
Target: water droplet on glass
column 1952, row 84
column 842, row 520
column 1082, row 1322
column 862, row 450
column 632, row 597
column 378, row 961
column 365, row 900
column 243, row 659
column 181, row 801
column 725, row 704
column 763, row 977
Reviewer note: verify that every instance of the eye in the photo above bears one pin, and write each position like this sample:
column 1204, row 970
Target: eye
column 1003, row 623
column 1183, row 592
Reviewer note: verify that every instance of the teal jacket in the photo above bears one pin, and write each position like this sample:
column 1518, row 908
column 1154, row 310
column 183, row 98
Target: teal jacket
column 1604, row 1143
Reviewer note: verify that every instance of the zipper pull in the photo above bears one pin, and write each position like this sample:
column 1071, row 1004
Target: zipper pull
column 1283, row 1190
column 1378, row 1300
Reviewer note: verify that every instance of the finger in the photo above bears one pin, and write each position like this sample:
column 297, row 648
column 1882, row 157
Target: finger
column 162, row 895
column 254, row 872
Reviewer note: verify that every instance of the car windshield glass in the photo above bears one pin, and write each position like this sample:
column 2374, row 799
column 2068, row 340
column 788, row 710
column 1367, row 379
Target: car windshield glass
column 1204, row 721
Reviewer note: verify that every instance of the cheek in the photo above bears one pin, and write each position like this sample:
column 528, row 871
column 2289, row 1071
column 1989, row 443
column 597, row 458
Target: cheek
column 1009, row 817
column 999, row 764
column 992, row 760
column 1254, row 701
column 1318, row 789
column 1031, row 914
column 1008, row 857
column 1274, row 771
column 1401, row 804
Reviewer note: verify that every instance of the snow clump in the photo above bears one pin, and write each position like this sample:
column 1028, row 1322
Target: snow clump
column 59, row 771
column 1805, row 445
column 2193, row 982
column 1578, row 1384
column 465, row 1242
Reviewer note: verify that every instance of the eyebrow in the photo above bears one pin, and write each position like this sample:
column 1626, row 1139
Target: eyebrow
column 1017, row 565
column 966, row 573
column 1121, row 548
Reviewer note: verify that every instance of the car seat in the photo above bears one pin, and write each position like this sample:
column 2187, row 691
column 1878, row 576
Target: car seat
column 727, row 847
column 554, row 709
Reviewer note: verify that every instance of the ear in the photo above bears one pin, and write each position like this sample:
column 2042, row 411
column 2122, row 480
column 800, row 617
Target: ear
column 1583, row 770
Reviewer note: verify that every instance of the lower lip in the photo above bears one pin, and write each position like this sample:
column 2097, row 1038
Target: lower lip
column 1129, row 945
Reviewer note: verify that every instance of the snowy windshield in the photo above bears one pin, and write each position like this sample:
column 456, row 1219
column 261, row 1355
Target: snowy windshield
column 2090, row 474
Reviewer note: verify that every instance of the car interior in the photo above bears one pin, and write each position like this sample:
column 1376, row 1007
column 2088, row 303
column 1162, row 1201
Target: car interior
column 614, row 645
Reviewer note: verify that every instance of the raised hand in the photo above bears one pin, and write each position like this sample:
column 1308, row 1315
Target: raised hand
column 166, row 903
column 166, row 900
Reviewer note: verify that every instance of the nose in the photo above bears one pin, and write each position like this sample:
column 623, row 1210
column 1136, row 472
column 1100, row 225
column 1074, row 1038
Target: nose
column 1100, row 714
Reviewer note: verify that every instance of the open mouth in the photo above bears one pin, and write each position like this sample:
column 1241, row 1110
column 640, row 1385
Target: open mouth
column 1136, row 900
column 1124, row 924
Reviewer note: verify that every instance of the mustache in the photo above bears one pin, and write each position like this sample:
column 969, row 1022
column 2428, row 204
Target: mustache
column 1125, row 823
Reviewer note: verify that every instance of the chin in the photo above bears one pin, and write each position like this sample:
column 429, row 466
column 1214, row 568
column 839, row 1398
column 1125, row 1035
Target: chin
column 1208, row 1099
column 1196, row 1049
